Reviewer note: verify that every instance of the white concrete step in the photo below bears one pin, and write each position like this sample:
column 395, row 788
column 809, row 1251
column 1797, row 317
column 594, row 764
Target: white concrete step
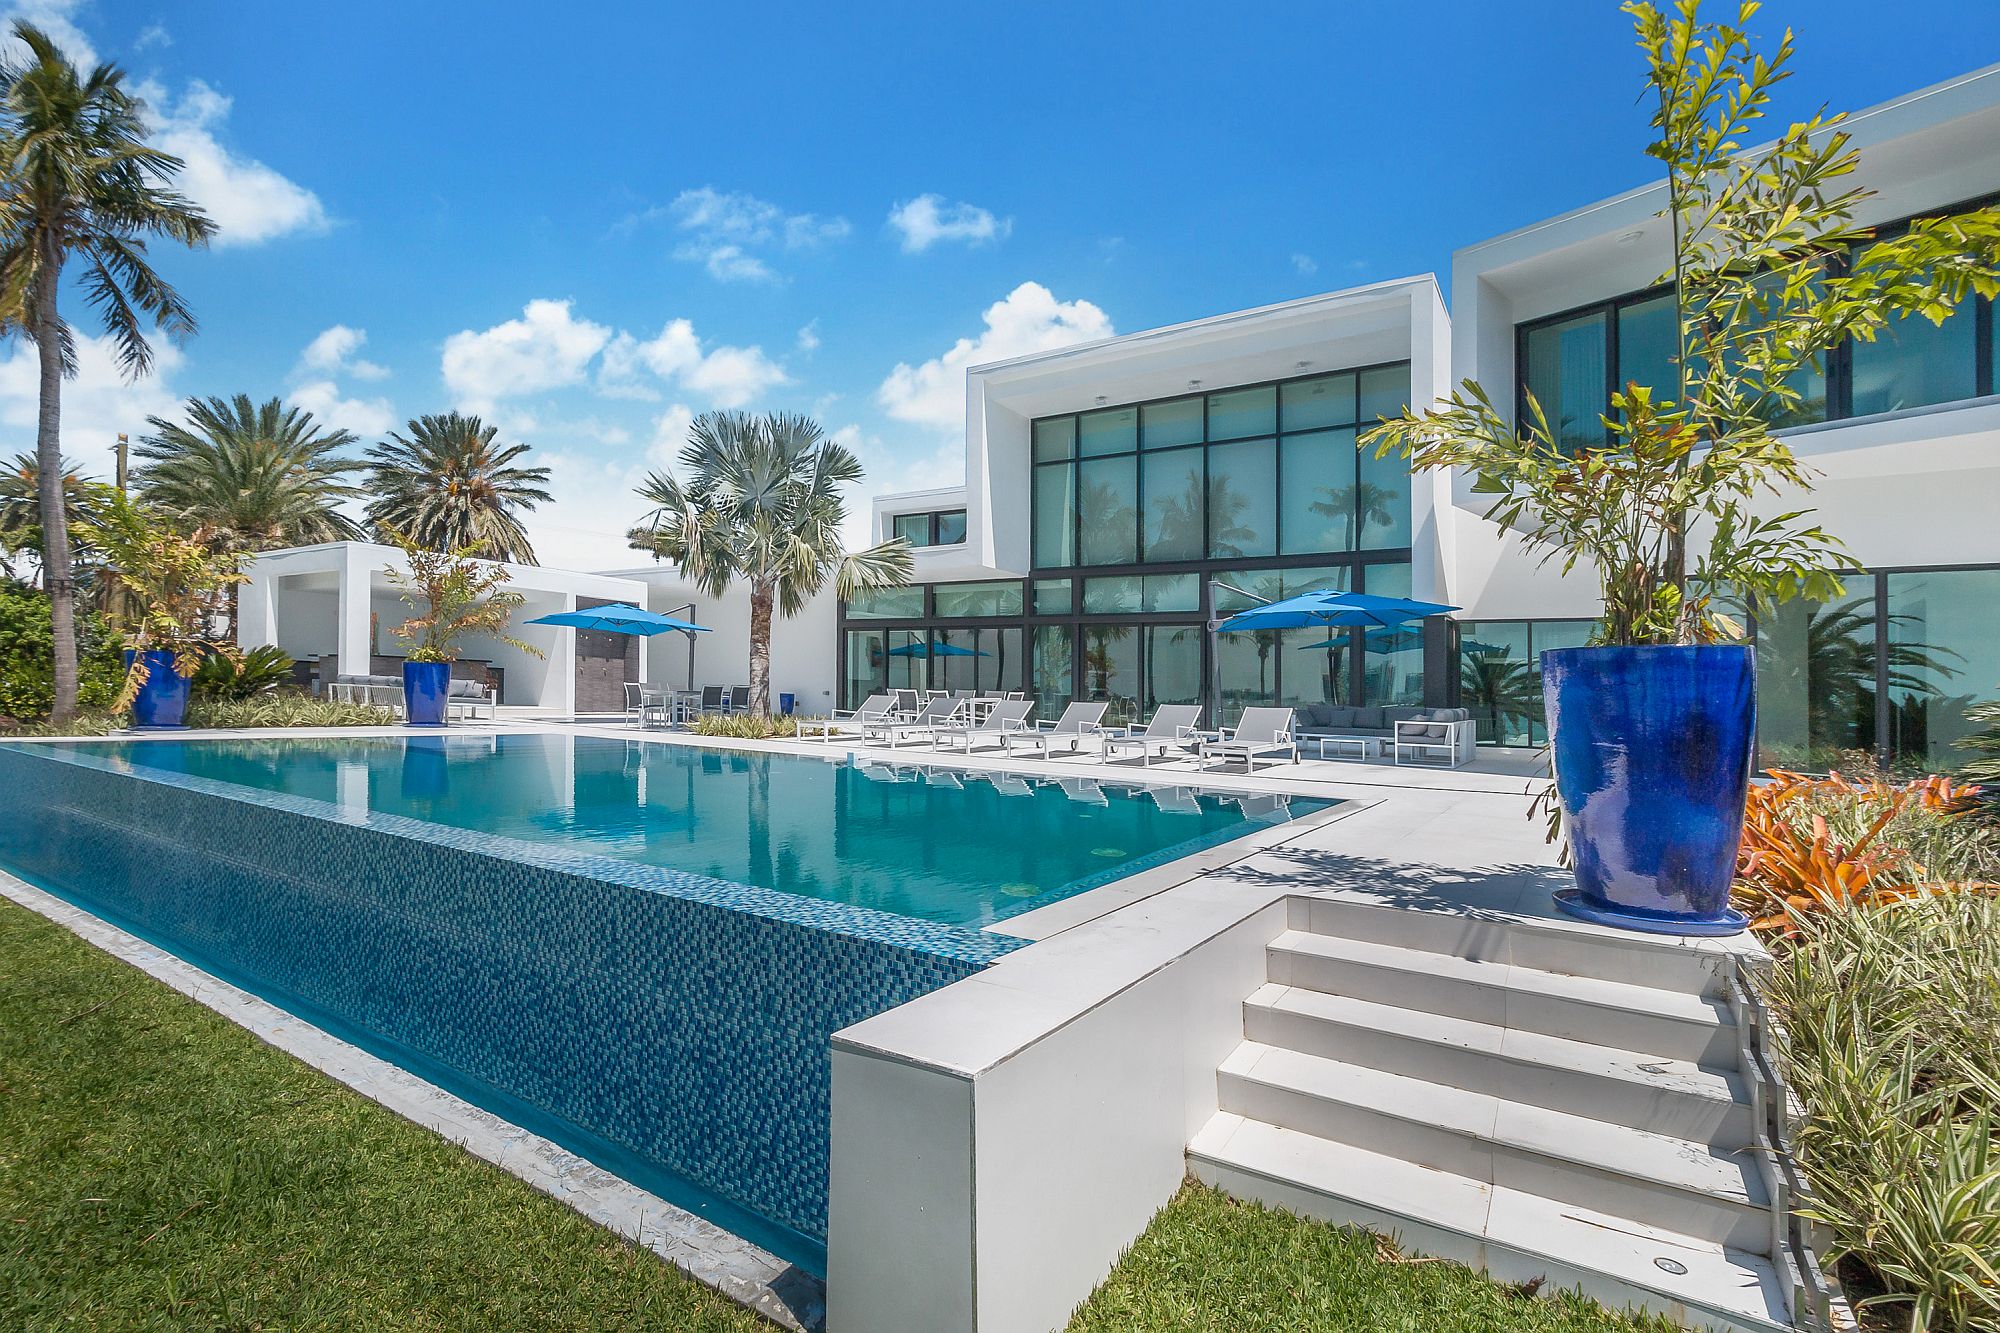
column 1513, row 1235
column 1674, row 1184
column 1574, row 949
column 1653, row 1020
column 1674, row 1097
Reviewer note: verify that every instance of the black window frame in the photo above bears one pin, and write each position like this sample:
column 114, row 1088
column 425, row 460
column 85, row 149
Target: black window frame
column 933, row 525
column 1838, row 363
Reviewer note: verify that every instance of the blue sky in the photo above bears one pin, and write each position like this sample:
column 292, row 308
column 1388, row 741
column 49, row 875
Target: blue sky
column 589, row 223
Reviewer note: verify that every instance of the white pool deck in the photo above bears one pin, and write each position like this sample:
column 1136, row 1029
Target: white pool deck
column 1456, row 842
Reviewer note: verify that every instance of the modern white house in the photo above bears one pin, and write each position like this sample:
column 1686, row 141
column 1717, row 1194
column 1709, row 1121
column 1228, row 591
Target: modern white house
column 1121, row 495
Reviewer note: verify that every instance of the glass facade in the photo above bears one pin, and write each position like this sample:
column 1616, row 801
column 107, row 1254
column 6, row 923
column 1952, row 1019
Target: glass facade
column 1238, row 474
column 1573, row 362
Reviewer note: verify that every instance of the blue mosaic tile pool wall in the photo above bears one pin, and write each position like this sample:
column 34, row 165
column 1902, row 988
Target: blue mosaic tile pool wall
column 664, row 1023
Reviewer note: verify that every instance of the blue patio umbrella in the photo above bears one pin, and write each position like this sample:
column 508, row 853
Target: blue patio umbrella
column 620, row 618
column 1332, row 610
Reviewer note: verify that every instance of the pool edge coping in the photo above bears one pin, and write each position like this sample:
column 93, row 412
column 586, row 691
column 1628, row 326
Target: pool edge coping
column 717, row 1258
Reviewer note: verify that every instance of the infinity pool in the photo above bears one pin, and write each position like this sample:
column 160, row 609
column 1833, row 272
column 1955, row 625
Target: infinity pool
column 638, row 949
column 917, row 842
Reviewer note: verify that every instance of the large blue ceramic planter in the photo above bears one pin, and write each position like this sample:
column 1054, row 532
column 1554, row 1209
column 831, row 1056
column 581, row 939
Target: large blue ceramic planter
column 1652, row 762
column 425, row 685
column 163, row 700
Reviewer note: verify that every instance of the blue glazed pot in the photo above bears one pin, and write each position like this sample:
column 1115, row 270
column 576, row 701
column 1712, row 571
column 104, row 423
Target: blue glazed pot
column 425, row 685
column 1652, row 761
column 163, row 700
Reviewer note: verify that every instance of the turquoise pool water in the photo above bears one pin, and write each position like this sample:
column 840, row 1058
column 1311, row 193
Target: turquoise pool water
column 959, row 849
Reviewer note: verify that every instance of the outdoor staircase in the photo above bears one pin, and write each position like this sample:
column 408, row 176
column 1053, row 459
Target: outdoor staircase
column 1536, row 1101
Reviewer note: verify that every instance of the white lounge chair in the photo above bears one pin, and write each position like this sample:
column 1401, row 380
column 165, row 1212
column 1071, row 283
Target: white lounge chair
column 875, row 708
column 1076, row 722
column 1172, row 731
column 895, row 730
column 1003, row 719
column 1261, row 733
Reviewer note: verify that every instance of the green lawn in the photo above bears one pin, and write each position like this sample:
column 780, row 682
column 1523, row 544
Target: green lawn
column 162, row 1168
column 1209, row 1263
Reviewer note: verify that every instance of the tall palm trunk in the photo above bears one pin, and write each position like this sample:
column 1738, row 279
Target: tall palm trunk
column 761, row 594
column 57, row 575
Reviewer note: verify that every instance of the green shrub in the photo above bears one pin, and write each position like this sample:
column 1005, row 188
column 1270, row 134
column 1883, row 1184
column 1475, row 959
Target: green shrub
column 742, row 727
column 1892, row 1017
column 284, row 709
column 261, row 670
column 27, row 656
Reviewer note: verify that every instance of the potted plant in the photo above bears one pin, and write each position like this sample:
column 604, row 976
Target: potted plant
column 1652, row 726
column 455, row 595
column 170, row 593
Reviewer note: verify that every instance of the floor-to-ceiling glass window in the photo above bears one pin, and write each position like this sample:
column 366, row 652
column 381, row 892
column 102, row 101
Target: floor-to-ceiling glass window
column 1816, row 686
column 1134, row 509
column 1500, row 675
column 866, row 667
column 1111, row 669
column 1943, row 633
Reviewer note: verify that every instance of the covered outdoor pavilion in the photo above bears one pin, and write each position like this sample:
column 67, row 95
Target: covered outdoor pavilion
column 334, row 604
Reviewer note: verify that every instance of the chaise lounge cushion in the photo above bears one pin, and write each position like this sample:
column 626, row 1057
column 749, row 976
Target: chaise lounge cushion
column 467, row 689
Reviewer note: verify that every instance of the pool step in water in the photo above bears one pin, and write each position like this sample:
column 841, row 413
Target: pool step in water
column 1584, row 1121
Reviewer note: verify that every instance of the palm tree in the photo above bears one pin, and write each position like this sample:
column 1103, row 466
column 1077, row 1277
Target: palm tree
column 81, row 184
column 762, row 502
column 21, row 501
column 1357, row 506
column 1503, row 687
column 447, row 488
column 255, row 477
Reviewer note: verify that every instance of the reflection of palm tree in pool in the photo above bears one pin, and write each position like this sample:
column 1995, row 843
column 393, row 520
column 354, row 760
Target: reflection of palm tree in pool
column 1501, row 686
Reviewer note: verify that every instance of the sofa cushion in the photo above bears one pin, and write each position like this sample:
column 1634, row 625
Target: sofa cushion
column 1317, row 715
column 1401, row 713
column 467, row 689
column 1369, row 719
column 1339, row 717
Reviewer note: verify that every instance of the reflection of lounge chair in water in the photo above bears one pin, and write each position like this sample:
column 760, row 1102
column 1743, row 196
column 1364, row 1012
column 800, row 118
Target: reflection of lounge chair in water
column 1175, row 800
column 1008, row 784
column 1085, row 791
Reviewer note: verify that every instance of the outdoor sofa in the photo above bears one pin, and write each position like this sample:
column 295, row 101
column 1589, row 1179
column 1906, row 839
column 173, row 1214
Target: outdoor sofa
column 1441, row 735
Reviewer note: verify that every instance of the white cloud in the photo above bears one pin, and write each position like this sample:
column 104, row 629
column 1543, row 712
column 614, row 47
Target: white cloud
column 1305, row 264
column 726, row 376
column 96, row 405
column 153, row 34
column 57, row 18
column 546, row 348
column 928, row 219
column 726, row 230
column 809, row 337
column 368, row 418
column 332, row 351
column 670, row 435
column 315, row 383
column 1029, row 319
column 249, row 201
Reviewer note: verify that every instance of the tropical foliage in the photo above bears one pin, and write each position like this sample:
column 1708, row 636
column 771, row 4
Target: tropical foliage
column 173, row 588
column 21, row 504
column 84, row 187
column 261, row 670
column 762, row 501
column 27, row 680
column 1891, row 1016
column 251, row 476
column 744, row 726
column 1502, row 688
column 1768, row 272
column 1985, row 743
column 447, row 487
column 1815, row 844
column 453, row 594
